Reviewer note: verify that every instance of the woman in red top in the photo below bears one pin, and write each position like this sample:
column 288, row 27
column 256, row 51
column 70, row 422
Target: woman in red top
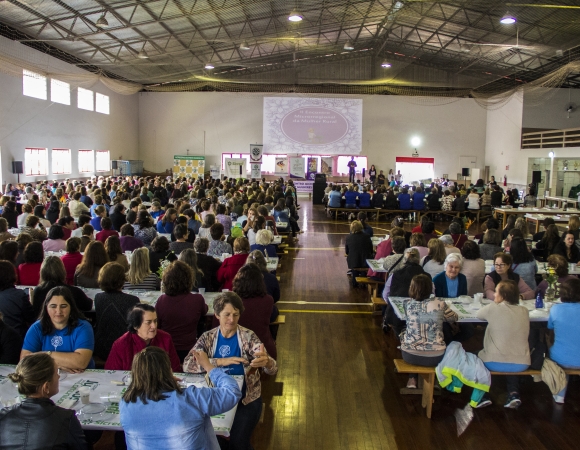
column 72, row 258
column 106, row 225
column 178, row 309
column 29, row 272
column 249, row 285
column 231, row 265
column 143, row 332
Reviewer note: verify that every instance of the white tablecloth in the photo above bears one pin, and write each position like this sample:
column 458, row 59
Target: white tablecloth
column 467, row 312
column 100, row 382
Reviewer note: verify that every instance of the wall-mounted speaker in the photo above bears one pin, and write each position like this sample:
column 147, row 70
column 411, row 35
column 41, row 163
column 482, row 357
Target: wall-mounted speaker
column 114, row 165
column 536, row 176
column 465, row 171
column 17, row 167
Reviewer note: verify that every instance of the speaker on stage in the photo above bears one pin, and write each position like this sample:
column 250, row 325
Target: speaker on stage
column 114, row 164
column 465, row 172
column 320, row 178
column 17, row 167
column 318, row 193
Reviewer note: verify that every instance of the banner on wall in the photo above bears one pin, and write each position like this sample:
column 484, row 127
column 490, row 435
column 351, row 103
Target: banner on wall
column 235, row 167
column 188, row 166
column 296, row 167
column 281, row 166
column 214, row 172
column 256, row 170
column 256, row 154
column 311, row 168
column 315, row 126
column 326, row 165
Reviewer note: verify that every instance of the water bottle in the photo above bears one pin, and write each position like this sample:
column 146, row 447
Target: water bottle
column 539, row 301
column 266, row 256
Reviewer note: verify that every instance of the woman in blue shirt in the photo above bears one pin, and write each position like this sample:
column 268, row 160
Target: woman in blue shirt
column 166, row 224
column 419, row 199
column 565, row 321
column 350, row 198
column 404, row 199
column 181, row 417
column 334, row 198
column 62, row 332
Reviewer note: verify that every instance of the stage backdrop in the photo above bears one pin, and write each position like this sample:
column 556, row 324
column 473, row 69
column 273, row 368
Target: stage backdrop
column 188, row 166
column 319, row 126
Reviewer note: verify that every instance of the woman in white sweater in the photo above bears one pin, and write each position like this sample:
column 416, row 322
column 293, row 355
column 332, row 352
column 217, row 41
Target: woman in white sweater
column 505, row 345
column 433, row 262
column 473, row 267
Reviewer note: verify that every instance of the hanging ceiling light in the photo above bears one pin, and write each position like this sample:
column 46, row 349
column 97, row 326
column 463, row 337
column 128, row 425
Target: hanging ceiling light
column 142, row 54
column 244, row 46
column 386, row 65
column 102, row 22
column 295, row 16
column 209, row 66
column 348, row 46
column 508, row 19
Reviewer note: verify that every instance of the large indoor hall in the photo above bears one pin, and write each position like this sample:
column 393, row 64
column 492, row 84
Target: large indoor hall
column 270, row 224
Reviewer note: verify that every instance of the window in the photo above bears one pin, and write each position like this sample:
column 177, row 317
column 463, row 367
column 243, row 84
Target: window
column 102, row 103
column 103, row 161
column 86, row 161
column 61, row 160
column 59, row 92
column 34, row 85
column 35, row 161
column 246, row 156
column 342, row 168
column 85, row 99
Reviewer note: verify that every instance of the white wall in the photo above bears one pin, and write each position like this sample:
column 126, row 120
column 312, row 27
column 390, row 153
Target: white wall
column 171, row 123
column 29, row 122
column 547, row 109
column 503, row 153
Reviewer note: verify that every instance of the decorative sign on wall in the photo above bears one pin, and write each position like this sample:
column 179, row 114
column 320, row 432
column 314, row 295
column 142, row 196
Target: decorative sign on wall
column 281, row 166
column 256, row 170
column 326, row 165
column 188, row 166
column 235, row 167
column 296, row 167
column 256, row 154
column 311, row 169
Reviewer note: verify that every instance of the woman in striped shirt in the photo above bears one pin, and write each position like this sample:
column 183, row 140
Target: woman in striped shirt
column 140, row 276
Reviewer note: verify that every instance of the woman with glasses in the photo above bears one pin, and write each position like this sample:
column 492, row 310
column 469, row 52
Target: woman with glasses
column 503, row 271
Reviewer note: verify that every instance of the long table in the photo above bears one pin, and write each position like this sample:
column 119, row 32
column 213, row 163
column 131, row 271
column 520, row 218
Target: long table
column 100, row 382
column 541, row 267
column 523, row 211
column 537, row 219
column 467, row 312
column 558, row 200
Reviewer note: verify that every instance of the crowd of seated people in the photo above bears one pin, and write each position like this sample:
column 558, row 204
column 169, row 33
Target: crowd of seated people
column 446, row 197
column 452, row 266
column 43, row 298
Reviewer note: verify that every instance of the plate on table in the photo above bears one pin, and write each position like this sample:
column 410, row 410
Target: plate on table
column 92, row 409
column 465, row 299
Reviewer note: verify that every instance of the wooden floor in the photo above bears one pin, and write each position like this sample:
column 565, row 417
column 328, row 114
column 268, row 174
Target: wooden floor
column 336, row 387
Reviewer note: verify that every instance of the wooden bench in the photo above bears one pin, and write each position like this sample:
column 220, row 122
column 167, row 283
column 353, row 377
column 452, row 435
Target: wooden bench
column 280, row 320
column 351, row 210
column 427, row 375
column 373, row 288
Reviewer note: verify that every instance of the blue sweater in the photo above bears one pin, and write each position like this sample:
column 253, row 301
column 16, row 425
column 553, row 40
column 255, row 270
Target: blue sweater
column 181, row 420
column 440, row 282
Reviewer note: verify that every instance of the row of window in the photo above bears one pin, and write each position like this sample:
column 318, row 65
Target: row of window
column 269, row 162
column 35, row 85
column 36, row 161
